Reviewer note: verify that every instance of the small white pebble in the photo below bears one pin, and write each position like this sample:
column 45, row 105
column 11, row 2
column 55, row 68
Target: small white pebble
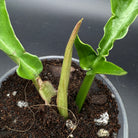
column 72, row 69
column 14, row 121
column 103, row 133
column 22, row 104
column 14, row 93
column 71, row 136
column 103, row 120
column 115, row 135
column 8, row 94
column 113, row 96
column 70, row 124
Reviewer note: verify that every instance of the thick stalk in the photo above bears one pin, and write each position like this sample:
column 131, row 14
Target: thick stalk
column 84, row 89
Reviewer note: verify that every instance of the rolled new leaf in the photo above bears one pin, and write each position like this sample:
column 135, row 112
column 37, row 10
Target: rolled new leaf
column 65, row 73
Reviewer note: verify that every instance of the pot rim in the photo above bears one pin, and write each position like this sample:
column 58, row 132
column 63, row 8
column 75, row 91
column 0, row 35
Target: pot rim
column 125, row 120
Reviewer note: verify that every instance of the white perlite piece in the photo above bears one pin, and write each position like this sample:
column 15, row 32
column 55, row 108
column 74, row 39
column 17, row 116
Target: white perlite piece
column 103, row 133
column 103, row 120
column 115, row 135
column 70, row 124
column 71, row 136
column 14, row 121
column 8, row 94
column 22, row 104
column 14, row 93
column 113, row 96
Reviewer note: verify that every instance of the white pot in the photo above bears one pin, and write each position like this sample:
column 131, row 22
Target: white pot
column 123, row 132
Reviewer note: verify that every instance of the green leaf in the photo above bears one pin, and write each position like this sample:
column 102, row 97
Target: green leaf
column 87, row 57
column 105, row 67
column 29, row 65
column 86, row 54
column 124, row 13
column 8, row 40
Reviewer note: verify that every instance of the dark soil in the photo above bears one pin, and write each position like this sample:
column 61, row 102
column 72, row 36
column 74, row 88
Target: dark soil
column 41, row 121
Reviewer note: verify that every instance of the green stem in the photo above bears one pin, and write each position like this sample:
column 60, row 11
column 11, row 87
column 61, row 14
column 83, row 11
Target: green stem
column 84, row 89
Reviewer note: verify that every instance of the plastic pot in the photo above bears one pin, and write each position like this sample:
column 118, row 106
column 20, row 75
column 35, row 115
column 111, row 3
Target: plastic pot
column 123, row 132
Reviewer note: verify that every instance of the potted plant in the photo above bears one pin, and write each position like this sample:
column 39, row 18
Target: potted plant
column 23, row 113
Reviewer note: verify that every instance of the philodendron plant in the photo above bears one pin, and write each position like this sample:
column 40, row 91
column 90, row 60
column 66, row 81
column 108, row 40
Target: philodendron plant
column 123, row 14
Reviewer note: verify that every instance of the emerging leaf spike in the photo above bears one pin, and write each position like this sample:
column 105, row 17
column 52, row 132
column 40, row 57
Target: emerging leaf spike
column 65, row 73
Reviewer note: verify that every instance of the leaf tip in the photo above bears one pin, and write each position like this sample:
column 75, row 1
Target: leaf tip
column 124, row 72
column 81, row 20
column 78, row 25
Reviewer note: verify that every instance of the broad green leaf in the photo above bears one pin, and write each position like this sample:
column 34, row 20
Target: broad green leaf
column 29, row 65
column 8, row 41
column 106, row 67
column 124, row 13
column 86, row 54
column 87, row 57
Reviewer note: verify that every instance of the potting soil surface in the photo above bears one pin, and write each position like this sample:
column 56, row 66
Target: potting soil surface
column 23, row 113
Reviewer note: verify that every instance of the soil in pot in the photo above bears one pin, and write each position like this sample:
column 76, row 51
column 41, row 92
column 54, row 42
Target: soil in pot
column 23, row 114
